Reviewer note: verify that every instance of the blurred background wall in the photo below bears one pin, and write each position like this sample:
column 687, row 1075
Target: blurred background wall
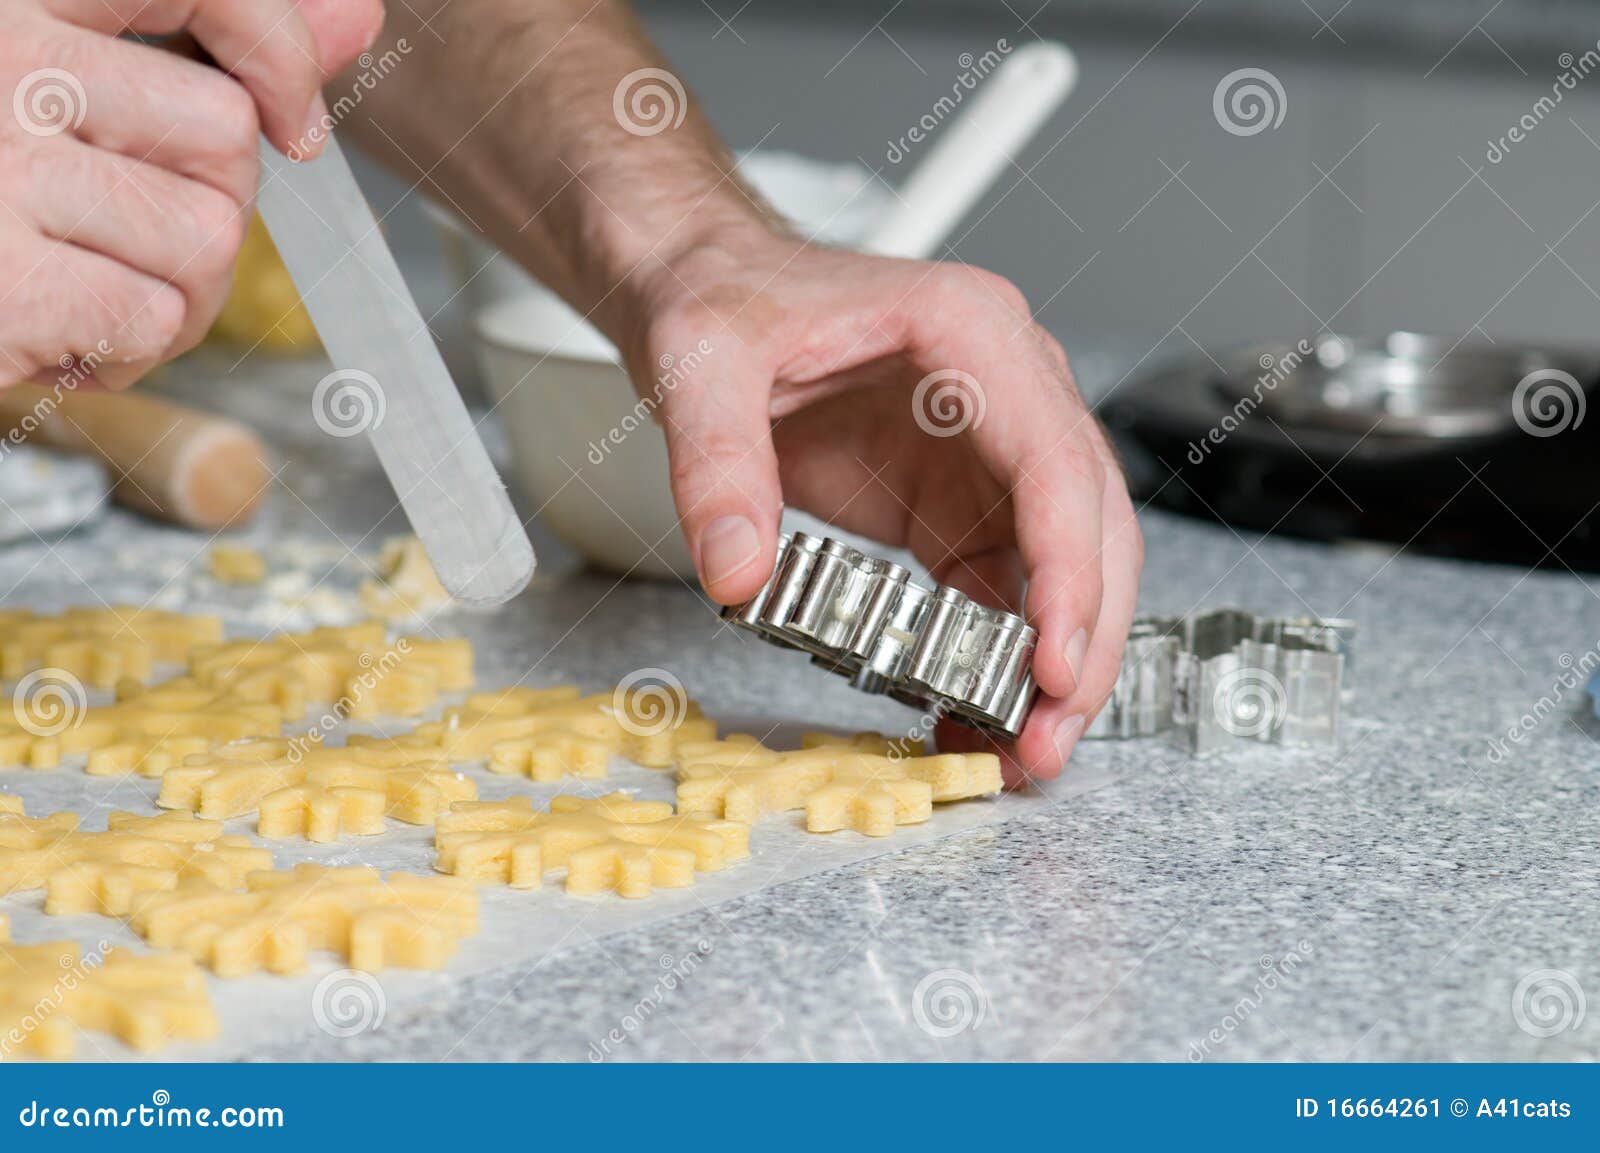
column 1136, row 223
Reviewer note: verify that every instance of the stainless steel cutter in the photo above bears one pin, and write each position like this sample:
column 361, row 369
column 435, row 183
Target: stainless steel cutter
column 1227, row 676
column 865, row 619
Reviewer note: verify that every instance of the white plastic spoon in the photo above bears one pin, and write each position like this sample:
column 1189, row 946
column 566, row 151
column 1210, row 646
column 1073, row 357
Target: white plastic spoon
column 1002, row 115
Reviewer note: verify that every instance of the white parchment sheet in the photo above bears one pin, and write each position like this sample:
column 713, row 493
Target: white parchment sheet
column 519, row 927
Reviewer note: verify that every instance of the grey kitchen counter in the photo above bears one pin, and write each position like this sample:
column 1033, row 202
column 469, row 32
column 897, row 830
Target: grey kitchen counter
column 1420, row 894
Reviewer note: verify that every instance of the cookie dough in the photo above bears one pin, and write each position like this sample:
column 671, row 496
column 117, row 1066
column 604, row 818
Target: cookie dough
column 355, row 799
column 355, row 669
column 405, row 588
column 606, row 843
column 146, row 732
column 837, row 786
column 866, row 742
column 369, row 922
column 106, row 872
column 237, row 564
column 313, row 791
column 101, row 646
column 48, row 992
column 549, row 733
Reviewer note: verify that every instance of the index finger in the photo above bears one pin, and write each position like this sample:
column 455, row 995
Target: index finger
column 1035, row 435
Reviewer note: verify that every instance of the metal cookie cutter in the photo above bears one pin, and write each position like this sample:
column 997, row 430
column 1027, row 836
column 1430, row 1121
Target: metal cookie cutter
column 1226, row 676
column 865, row 619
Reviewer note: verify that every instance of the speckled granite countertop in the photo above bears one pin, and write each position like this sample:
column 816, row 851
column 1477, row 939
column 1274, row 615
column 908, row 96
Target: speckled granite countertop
column 1380, row 903
column 1416, row 880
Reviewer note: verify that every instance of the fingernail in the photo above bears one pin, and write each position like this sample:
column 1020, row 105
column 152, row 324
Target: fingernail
column 1067, row 734
column 371, row 37
column 727, row 547
column 1077, row 648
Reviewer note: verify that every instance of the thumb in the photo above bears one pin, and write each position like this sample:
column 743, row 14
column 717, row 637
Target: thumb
column 343, row 29
column 724, row 470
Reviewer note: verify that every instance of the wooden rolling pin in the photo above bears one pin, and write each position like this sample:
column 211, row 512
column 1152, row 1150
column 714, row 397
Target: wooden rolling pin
column 168, row 461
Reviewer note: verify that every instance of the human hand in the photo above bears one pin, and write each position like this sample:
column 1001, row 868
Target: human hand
column 914, row 403
column 127, row 173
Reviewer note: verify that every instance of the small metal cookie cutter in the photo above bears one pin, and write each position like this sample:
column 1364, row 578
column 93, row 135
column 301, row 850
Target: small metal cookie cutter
column 1228, row 676
column 865, row 619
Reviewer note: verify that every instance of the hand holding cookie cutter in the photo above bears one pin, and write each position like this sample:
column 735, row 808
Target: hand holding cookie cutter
column 865, row 619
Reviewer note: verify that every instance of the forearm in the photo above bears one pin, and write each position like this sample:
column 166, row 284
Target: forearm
column 505, row 109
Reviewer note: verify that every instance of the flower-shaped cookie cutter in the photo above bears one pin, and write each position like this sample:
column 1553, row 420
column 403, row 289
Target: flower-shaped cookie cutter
column 1227, row 676
column 865, row 619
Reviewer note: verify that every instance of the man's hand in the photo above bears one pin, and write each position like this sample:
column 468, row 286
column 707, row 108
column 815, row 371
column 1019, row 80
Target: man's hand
column 917, row 404
column 830, row 384
column 127, row 172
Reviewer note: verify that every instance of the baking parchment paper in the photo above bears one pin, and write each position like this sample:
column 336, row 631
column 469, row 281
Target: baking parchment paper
column 519, row 928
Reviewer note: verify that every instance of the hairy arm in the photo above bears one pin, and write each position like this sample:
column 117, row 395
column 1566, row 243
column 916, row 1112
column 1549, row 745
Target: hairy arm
column 504, row 110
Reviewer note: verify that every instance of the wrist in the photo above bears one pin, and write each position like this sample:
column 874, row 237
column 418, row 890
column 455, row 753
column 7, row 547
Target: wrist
column 653, row 275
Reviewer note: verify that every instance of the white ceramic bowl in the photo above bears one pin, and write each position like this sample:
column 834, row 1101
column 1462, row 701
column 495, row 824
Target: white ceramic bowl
column 589, row 458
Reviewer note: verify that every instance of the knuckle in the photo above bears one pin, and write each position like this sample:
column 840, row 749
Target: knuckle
column 702, row 461
column 218, row 223
column 167, row 310
column 1088, row 467
column 42, row 72
column 51, row 46
column 1009, row 295
column 970, row 281
column 679, row 328
column 234, row 114
column 1065, row 462
column 148, row 321
column 227, row 158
